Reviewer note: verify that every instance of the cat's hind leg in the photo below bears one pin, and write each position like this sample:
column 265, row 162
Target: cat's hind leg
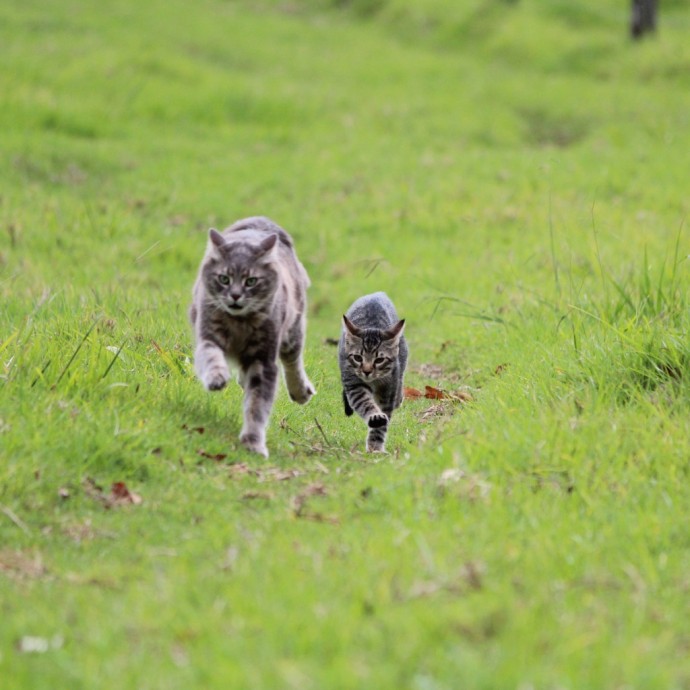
column 298, row 384
column 259, row 381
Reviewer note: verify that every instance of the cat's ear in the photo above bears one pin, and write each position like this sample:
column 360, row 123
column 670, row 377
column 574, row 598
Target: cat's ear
column 351, row 328
column 216, row 238
column 395, row 331
column 267, row 245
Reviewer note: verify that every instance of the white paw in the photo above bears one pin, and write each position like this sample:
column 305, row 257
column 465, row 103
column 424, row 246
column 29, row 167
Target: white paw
column 302, row 394
column 253, row 443
column 215, row 379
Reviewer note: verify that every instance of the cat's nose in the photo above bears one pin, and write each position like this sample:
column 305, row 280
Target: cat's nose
column 367, row 369
column 235, row 295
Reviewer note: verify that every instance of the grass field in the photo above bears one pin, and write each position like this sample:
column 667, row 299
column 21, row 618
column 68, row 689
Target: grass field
column 515, row 176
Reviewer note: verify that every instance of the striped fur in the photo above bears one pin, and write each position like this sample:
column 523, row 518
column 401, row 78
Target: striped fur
column 372, row 354
column 249, row 309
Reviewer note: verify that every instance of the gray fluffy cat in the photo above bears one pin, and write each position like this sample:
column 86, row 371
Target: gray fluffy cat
column 248, row 308
column 372, row 353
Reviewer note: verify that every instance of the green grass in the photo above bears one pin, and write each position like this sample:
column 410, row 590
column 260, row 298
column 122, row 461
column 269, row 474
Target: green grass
column 514, row 175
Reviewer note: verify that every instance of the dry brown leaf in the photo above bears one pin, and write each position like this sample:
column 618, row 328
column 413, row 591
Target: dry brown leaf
column 432, row 393
column 217, row 457
column 120, row 494
column 412, row 393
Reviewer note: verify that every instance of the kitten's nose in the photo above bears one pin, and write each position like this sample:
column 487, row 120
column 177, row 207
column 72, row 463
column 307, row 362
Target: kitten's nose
column 367, row 369
column 235, row 295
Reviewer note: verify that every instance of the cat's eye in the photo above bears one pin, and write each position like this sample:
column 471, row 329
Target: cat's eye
column 251, row 281
column 224, row 279
column 357, row 359
column 379, row 360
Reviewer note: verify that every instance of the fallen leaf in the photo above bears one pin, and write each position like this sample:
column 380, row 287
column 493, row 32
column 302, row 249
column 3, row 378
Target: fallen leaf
column 412, row 393
column 500, row 369
column 63, row 493
column 217, row 457
column 120, row 494
column 434, row 393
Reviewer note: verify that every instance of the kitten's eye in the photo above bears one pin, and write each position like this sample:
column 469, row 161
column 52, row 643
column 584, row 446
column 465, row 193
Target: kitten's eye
column 251, row 281
column 357, row 359
column 224, row 279
column 379, row 360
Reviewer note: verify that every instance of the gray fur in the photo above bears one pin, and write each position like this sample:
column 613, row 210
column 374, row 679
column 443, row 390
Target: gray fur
column 372, row 354
column 251, row 325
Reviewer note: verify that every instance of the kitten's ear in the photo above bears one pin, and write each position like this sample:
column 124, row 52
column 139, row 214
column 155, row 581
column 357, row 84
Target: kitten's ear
column 351, row 328
column 394, row 331
column 216, row 238
column 266, row 245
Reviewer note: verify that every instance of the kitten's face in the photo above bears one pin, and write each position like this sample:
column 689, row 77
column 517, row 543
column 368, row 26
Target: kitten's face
column 240, row 278
column 372, row 353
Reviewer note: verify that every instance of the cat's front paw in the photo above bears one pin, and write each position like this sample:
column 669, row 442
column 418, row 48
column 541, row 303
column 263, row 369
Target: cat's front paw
column 215, row 379
column 377, row 420
column 303, row 393
column 252, row 442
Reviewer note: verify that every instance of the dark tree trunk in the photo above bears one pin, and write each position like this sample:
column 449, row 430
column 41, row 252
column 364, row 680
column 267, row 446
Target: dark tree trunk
column 643, row 18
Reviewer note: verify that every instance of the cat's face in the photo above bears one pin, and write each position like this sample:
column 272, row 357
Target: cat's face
column 372, row 353
column 239, row 277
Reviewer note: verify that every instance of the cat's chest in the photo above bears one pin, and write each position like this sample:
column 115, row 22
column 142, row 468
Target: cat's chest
column 234, row 336
column 239, row 338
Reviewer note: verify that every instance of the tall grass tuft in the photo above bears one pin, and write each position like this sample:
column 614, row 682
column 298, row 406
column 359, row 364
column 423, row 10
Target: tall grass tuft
column 633, row 339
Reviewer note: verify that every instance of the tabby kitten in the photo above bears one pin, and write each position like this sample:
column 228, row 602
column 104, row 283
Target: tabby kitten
column 372, row 353
column 248, row 308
